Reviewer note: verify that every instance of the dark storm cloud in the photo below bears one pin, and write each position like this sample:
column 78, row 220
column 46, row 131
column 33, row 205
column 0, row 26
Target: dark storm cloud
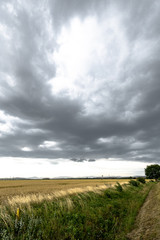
column 82, row 160
column 78, row 160
column 53, row 126
column 62, row 11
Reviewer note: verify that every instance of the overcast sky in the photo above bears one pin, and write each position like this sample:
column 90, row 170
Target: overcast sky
column 79, row 87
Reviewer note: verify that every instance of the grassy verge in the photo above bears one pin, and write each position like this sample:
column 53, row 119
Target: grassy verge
column 106, row 215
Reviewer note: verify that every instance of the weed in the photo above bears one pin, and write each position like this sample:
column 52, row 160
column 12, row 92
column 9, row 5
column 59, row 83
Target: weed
column 141, row 180
column 134, row 183
column 119, row 187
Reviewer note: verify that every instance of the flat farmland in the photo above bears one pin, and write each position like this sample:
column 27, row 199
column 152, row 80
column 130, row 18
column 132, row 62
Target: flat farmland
column 72, row 209
column 16, row 188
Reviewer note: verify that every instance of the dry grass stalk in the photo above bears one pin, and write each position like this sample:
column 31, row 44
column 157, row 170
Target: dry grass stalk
column 36, row 198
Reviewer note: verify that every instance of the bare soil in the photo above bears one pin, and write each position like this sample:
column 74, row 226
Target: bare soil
column 147, row 225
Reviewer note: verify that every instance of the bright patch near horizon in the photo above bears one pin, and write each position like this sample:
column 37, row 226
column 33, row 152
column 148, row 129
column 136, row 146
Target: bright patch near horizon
column 21, row 167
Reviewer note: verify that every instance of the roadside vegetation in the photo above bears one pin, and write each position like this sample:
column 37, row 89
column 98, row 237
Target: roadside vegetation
column 147, row 225
column 100, row 214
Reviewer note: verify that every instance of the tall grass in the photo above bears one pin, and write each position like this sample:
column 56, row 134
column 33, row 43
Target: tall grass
column 11, row 188
column 107, row 214
column 26, row 199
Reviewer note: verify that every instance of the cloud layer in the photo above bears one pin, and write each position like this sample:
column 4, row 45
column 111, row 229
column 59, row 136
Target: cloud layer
column 80, row 79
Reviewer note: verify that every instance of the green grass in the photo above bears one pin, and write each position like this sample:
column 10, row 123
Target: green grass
column 109, row 215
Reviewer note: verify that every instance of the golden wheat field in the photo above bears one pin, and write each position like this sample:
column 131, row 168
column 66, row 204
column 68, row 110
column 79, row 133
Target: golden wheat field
column 16, row 192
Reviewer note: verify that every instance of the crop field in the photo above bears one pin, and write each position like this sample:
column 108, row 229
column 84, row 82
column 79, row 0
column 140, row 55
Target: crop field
column 84, row 209
column 16, row 189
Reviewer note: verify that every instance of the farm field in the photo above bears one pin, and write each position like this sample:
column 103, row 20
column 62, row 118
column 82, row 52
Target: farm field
column 70, row 209
column 11, row 188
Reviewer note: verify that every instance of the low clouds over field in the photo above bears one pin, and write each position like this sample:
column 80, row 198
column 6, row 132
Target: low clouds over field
column 80, row 80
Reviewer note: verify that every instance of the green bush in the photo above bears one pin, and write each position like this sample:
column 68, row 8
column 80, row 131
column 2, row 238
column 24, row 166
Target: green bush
column 118, row 187
column 134, row 183
column 141, row 180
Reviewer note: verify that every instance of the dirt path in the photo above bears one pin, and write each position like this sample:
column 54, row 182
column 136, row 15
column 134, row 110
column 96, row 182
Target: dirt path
column 148, row 220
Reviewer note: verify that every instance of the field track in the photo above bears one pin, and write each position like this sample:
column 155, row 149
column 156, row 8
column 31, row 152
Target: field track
column 147, row 225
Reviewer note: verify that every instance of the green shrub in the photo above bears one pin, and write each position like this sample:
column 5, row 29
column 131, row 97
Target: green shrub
column 141, row 180
column 111, row 193
column 118, row 187
column 134, row 183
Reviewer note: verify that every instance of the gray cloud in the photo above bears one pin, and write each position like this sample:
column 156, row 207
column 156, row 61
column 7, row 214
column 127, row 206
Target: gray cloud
column 117, row 109
column 82, row 160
